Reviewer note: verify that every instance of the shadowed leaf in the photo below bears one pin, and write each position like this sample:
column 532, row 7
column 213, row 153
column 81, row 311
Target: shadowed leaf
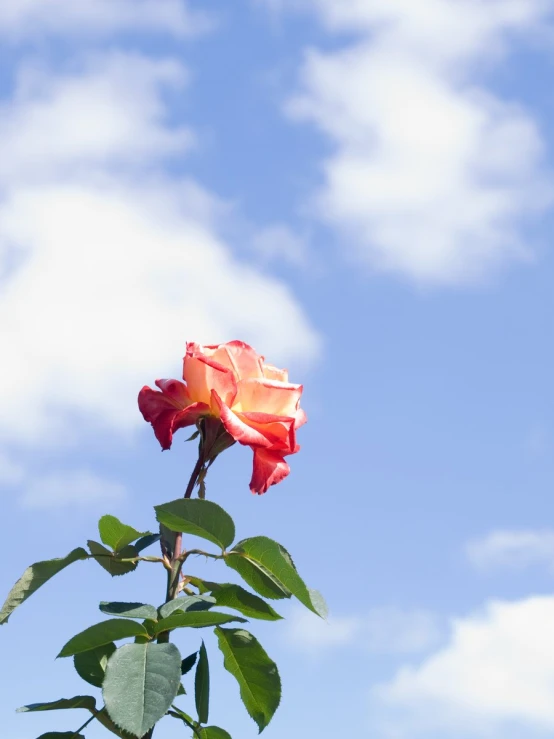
column 34, row 577
column 100, row 634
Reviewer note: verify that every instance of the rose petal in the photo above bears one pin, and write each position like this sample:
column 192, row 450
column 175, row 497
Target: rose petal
column 203, row 374
column 161, row 411
column 238, row 429
column 175, row 390
column 274, row 373
column 240, row 358
column 279, row 430
column 268, row 396
column 269, row 469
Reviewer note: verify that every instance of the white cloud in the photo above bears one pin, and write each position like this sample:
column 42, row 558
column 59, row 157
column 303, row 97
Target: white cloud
column 393, row 630
column 11, row 473
column 512, row 549
column 431, row 175
column 278, row 242
column 385, row 630
column 496, row 676
column 313, row 634
column 33, row 18
column 76, row 488
column 107, row 264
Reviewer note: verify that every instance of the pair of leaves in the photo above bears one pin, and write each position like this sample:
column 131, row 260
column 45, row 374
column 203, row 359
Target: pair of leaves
column 263, row 563
column 114, row 629
column 119, row 537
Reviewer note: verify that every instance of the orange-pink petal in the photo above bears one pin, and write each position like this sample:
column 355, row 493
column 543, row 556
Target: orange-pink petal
column 274, row 373
column 237, row 428
column 269, row 468
column 203, row 374
column 268, row 396
column 239, row 357
column 279, row 430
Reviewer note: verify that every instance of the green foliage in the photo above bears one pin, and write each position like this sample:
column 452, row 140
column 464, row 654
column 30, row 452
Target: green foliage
column 194, row 619
column 188, row 663
column 213, row 732
column 79, row 701
column 103, row 718
column 255, row 672
column 186, row 603
column 34, row 577
column 277, row 563
column 91, row 665
column 233, row 596
column 61, row 735
column 202, row 685
column 117, row 535
column 100, row 634
column 146, row 541
column 256, row 576
column 141, row 682
column 199, row 518
column 129, row 610
column 112, row 562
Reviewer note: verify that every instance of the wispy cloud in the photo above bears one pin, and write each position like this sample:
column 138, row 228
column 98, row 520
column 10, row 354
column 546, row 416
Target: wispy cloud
column 495, row 676
column 21, row 19
column 70, row 489
column 11, row 473
column 432, row 173
column 107, row 263
column 382, row 630
column 512, row 550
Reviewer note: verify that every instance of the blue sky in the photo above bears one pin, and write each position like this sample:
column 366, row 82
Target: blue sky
column 362, row 190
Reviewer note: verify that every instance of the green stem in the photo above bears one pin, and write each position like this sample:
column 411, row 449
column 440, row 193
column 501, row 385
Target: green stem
column 87, row 722
column 174, row 574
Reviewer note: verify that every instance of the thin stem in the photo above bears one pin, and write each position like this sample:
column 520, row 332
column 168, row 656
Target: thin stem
column 87, row 722
column 195, row 473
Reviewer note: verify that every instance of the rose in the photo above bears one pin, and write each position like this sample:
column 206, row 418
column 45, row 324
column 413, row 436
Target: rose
column 253, row 401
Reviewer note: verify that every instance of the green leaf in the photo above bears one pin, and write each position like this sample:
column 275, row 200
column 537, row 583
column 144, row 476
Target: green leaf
column 318, row 602
column 198, row 518
column 91, row 665
column 117, row 535
column 112, row 562
column 129, row 610
column 146, row 541
column 103, row 718
column 188, row 720
column 213, row 732
column 34, row 577
column 140, row 684
column 186, row 603
column 256, row 576
column 79, row 701
column 61, row 735
column 188, row 663
column 100, row 634
column 277, row 562
column 195, row 619
column 233, row 596
column 255, row 672
column 202, row 685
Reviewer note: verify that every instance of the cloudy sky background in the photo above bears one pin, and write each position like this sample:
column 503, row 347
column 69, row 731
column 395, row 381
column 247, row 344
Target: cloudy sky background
column 364, row 191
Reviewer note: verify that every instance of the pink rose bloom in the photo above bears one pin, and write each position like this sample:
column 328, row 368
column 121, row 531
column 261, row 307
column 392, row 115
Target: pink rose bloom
column 254, row 401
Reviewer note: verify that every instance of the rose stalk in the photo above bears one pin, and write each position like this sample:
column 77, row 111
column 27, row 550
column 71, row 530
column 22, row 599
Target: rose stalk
column 230, row 395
